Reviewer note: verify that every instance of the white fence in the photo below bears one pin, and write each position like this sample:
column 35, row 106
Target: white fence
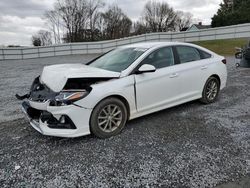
column 229, row 32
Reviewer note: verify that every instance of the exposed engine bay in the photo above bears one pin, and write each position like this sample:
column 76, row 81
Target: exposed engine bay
column 40, row 92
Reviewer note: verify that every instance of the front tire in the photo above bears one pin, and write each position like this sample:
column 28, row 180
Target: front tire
column 108, row 118
column 210, row 91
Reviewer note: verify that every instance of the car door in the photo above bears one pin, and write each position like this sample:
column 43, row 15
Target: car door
column 155, row 90
column 192, row 71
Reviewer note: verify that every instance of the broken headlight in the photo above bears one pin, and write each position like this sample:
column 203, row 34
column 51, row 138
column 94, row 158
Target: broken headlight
column 67, row 97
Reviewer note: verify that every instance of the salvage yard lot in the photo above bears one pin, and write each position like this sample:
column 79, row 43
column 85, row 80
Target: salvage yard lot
column 191, row 145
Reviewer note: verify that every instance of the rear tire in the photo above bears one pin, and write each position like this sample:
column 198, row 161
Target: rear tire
column 210, row 91
column 108, row 118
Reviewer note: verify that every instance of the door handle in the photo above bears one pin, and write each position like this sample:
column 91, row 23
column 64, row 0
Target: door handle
column 174, row 75
column 204, row 67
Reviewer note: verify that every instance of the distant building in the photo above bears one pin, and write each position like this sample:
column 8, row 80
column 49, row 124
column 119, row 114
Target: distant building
column 197, row 27
column 184, row 29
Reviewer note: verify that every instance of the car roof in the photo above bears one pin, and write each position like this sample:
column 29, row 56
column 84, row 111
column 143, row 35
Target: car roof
column 149, row 45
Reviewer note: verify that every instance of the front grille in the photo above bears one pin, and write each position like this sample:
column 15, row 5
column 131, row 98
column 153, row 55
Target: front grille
column 32, row 112
column 47, row 117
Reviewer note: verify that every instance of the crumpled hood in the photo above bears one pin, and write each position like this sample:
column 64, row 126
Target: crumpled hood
column 56, row 76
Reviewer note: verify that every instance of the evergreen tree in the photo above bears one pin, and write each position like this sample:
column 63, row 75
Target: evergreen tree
column 232, row 12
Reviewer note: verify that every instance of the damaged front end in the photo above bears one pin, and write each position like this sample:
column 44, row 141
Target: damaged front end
column 54, row 104
column 38, row 92
column 36, row 117
column 41, row 98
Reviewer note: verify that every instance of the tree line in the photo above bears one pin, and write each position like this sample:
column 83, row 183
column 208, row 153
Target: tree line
column 93, row 20
column 232, row 12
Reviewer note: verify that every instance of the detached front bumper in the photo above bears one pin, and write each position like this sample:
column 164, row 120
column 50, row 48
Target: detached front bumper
column 60, row 121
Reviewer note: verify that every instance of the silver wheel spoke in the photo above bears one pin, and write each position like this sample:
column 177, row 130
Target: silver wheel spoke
column 211, row 91
column 115, row 124
column 106, row 125
column 109, row 109
column 101, row 123
column 115, row 108
column 117, row 118
column 117, row 113
column 105, row 112
column 110, row 125
column 110, row 118
column 213, row 85
column 209, row 94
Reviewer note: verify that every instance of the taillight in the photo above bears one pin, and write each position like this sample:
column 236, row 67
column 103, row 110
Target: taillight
column 224, row 61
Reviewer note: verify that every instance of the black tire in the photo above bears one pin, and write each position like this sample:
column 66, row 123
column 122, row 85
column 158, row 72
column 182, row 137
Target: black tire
column 206, row 98
column 99, row 115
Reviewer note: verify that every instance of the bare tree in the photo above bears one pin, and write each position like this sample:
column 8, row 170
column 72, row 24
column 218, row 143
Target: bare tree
column 79, row 18
column 42, row 38
column 125, row 26
column 83, row 20
column 184, row 20
column 159, row 16
column 94, row 16
column 115, row 23
column 74, row 17
column 139, row 27
column 54, row 24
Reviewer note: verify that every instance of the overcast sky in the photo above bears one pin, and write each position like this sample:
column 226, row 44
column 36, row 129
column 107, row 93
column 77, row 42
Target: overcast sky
column 19, row 19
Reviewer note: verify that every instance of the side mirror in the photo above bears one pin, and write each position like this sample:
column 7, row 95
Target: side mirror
column 146, row 68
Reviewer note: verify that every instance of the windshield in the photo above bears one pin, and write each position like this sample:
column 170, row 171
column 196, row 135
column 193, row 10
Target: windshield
column 118, row 60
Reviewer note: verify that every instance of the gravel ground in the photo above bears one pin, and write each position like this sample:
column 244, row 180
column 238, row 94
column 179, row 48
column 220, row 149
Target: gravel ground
column 191, row 145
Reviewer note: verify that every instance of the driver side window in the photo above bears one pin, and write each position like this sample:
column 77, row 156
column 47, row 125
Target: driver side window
column 160, row 58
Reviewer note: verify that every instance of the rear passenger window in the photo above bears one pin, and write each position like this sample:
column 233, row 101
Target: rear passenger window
column 188, row 54
column 205, row 55
column 160, row 58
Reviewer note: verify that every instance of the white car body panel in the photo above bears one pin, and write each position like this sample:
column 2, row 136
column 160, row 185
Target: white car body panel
column 56, row 76
column 149, row 85
column 74, row 113
column 123, row 87
column 144, row 93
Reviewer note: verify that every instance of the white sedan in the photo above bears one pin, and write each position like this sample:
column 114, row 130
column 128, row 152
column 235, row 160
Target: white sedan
column 72, row 100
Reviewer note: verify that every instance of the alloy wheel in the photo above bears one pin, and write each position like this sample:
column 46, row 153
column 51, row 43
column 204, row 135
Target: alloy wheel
column 212, row 90
column 110, row 118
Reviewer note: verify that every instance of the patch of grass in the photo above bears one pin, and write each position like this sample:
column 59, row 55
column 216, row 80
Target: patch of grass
column 223, row 47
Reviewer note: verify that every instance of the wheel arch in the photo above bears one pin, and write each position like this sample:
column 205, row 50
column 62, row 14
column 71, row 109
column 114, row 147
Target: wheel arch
column 204, row 99
column 217, row 77
column 122, row 99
